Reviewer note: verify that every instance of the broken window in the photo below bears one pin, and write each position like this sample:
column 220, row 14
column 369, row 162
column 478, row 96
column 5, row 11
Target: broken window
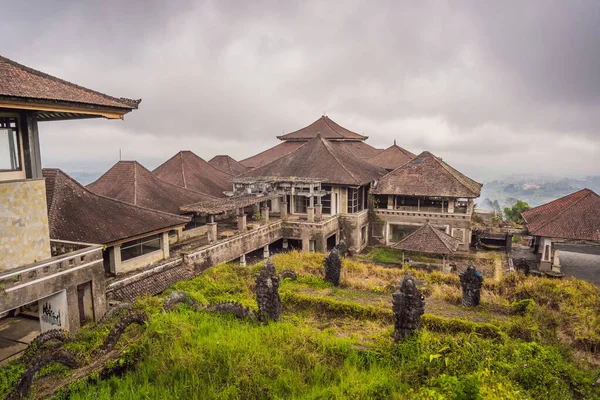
column 10, row 154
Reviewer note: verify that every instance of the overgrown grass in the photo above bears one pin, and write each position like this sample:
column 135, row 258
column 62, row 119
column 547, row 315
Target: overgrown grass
column 336, row 343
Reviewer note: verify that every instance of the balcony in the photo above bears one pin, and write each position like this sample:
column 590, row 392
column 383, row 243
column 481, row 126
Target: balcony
column 425, row 212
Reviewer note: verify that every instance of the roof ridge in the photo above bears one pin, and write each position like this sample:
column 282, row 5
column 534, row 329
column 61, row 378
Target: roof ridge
column 127, row 103
column 439, row 233
column 329, row 149
column 182, row 169
column 447, row 167
column 325, row 118
column 565, row 209
column 135, row 183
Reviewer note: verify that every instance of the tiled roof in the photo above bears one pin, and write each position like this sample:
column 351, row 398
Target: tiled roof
column 427, row 175
column 77, row 214
column 20, row 82
column 187, row 170
column 392, row 157
column 428, row 239
column 358, row 149
column 319, row 158
column 228, row 165
column 325, row 127
column 131, row 182
column 576, row 216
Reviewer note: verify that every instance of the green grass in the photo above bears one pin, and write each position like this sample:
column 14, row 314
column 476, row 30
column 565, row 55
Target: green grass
column 336, row 343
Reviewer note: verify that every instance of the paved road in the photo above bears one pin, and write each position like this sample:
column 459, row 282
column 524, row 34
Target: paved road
column 582, row 262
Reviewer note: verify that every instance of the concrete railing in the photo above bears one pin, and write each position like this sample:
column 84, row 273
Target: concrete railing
column 18, row 277
column 427, row 214
column 325, row 224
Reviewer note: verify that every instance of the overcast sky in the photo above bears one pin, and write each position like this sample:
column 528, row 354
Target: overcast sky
column 493, row 87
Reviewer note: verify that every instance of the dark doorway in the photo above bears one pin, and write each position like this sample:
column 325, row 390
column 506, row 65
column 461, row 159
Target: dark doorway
column 331, row 242
column 85, row 303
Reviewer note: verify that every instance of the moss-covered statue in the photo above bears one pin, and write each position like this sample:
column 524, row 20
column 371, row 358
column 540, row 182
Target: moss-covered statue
column 267, row 293
column 333, row 267
column 408, row 305
column 471, row 282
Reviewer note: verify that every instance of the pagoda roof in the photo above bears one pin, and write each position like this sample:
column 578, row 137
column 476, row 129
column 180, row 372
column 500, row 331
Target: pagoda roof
column 22, row 87
column 131, row 182
column 185, row 169
column 319, row 158
column 392, row 157
column 325, row 127
column 428, row 239
column 427, row 175
column 227, row 164
column 575, row 216
column 77, row 214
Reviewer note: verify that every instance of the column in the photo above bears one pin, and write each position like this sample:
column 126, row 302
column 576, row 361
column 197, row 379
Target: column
column 165, row 245
column 241, row 221
column 243, row 260
column 310, row 210
column 212, row 229
column 285, row 244
column 390, row 204
column 264, row 213
column 306, row 245
column 283, row 205
column 266, row 253
column 319, row 209
column 114, row 258
column 451, row 204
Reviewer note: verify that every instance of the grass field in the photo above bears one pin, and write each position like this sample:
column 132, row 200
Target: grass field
column 530, row 338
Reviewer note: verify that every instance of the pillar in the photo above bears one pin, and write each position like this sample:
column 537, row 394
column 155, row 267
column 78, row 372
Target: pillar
column 310, row 214
column 319, row 212
column 306, row 245
column 114, row 258
column 212, row 232
column 284, row 244
column 243, row 260
column 266, row 253
column 256, row 209
column 451, row 204
column 264, row 213
column 165, row 245
column 241, row 223
column 390, row 204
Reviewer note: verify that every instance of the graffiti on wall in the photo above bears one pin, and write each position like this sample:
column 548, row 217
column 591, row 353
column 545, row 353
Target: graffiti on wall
column 50, row 316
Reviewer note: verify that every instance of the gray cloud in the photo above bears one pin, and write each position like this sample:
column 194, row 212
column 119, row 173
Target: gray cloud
column 512, row 85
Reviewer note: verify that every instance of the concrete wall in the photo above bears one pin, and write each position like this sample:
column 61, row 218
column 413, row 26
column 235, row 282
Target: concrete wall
column 141, row 261
column 24, row 234
column 352, row 229
column 307, row 231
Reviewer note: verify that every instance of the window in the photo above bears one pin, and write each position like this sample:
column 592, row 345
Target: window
column 139, row 247
column 300, row 203
column 326, row 200
column 353, row 200
column 10, row 154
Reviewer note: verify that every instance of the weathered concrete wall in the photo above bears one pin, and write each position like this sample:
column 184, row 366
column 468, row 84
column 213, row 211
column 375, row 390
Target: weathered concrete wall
column 352, row 232
column 306, row 231
column 24, row 234
column 63, row 273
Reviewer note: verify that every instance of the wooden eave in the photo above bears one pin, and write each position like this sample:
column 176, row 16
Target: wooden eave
column 54, row 110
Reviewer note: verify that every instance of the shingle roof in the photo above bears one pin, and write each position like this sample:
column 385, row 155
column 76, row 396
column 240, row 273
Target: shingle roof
column 358, row 149
column 20, row 82
column 392, row 157
column 77, row 214
column 325, row 127
column 576, row 216
column 227, row 164
column 131, row 182
column 318, row 158
column 218, row 206
column 427, row 175
column 428, row 239
column 187, row 170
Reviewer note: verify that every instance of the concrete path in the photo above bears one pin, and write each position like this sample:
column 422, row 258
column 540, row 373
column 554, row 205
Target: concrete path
column 582, row 262
column 16, row 334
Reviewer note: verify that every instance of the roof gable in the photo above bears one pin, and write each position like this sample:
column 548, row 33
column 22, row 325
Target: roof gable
column 427, row 175
column 325, row 127
column 428, row 239
column 77, row 214
column 392, row 157
column 320, row 159
column 227, row 165
column 187, row 170
column 131, row 182
column 575, row 216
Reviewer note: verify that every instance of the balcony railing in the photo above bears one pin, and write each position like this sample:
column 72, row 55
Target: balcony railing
column 429, row 212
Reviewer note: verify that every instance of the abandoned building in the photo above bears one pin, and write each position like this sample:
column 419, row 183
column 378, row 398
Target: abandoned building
column 185, row 169
column 574, row 218
column 228, row 165
column 424, row 190
column 132, row 236
column 60, row 284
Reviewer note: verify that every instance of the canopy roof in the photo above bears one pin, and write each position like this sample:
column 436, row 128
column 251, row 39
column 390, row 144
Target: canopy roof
column 25, row 88
column 576, row 217
column 427, row 175
column 227, row 165
column 187, row 170
column 319, row 158
column 325, row 127
column 131, row 182
column 218, row 206
column 428, row 239
column 392, row 157
column 77, row 214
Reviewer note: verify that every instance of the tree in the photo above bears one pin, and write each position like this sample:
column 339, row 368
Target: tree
column 514, row 213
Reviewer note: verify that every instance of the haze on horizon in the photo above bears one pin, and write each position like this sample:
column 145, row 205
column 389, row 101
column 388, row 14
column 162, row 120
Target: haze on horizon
column 494, row 88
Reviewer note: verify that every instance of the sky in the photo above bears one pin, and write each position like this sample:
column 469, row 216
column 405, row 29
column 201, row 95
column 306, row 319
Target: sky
column 492, row 87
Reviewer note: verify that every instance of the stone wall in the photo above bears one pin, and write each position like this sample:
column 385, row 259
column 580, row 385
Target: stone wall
column 306, row 231
column 24, row 234
column 352, row 229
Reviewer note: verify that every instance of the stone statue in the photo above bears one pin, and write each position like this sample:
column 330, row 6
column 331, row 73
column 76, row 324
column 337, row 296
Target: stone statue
column 471, row 282
column 341, row 248
column 408, row 305
column 333, row 267
column 267, row 293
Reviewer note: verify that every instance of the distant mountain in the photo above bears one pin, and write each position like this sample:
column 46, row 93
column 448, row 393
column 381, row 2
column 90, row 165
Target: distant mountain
column 84, row 177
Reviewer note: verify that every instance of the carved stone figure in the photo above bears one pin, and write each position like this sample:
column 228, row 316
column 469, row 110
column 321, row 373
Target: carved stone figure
column 408, row 305
column 267, row 293
column 333, row 267
column 231, row 307
column 179, row 297
column 471, row 282
column 341, row 248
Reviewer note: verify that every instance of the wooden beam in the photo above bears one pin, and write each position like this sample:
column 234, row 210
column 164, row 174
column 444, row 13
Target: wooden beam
column 23, row 105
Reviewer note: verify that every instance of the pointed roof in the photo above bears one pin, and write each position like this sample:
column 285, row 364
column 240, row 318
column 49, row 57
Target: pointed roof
column 227, row 165
column 428, row 239
column 79, row 215
column 131, row 182
column 392, row 157
column 325, row 127
column 33, row 88
column 318, row 158
column 428, row 175
column 185, row 169
column 576, row 216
